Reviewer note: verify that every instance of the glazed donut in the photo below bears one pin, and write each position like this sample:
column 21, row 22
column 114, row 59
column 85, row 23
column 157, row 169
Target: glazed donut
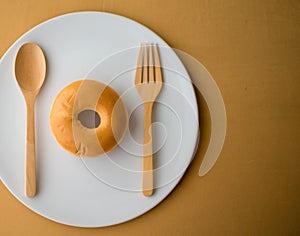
column 78, row 99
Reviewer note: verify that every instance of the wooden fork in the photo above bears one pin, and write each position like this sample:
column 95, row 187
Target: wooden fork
column 148, row 83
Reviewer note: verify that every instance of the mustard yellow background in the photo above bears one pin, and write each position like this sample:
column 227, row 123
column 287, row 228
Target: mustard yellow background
column 252, row 48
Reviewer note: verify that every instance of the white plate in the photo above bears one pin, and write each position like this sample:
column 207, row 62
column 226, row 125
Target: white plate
column 106, row 190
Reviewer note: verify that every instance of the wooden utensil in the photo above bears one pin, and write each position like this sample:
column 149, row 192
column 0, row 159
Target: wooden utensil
column 30, row 71
column 148, row 83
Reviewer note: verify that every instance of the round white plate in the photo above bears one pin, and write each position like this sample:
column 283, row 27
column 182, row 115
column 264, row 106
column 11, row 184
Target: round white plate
column 106, row 190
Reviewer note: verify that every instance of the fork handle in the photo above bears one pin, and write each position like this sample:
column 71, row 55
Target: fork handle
column 147, row 153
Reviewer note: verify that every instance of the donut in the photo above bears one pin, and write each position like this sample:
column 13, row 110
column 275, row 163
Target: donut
column 88, row 98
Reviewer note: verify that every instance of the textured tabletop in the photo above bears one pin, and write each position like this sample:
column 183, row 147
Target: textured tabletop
column 252, row 50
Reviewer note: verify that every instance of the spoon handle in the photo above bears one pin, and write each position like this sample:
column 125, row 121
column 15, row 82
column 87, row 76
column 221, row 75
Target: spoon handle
column 30, row 181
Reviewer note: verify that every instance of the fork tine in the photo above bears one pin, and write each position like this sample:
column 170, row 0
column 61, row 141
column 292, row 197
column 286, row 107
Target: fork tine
column 151, row 64
column 145, row 65
column 158, row 75
column 138, row 72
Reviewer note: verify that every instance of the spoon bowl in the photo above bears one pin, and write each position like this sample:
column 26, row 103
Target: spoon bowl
column 30, row 72
column 30, row 67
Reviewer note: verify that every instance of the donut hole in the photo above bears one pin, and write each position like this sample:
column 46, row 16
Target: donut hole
column 89, row 119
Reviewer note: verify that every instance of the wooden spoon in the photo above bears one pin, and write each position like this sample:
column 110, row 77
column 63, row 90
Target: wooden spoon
column 30, row 71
